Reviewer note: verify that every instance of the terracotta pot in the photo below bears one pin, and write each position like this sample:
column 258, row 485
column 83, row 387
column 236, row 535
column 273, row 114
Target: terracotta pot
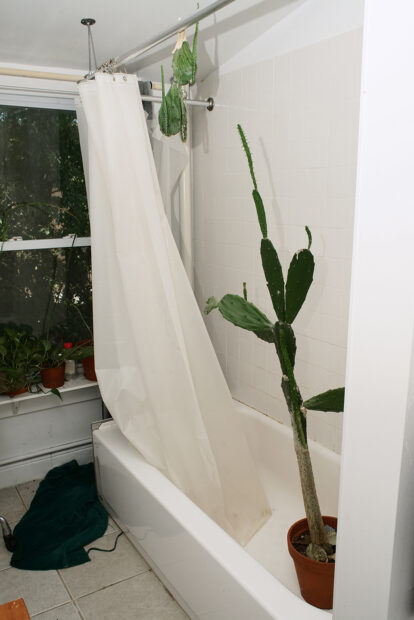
column 316, row 579
column 53, row 377
column 21, row 390
column 89, row 368
column 88, row 363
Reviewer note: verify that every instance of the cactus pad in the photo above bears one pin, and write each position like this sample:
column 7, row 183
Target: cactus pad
column 300, row 276
column 332, row 400
column 290, row 341
column 274, row 277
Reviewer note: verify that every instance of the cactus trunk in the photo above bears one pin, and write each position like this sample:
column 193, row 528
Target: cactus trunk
column 297, row 413
column 310, row 499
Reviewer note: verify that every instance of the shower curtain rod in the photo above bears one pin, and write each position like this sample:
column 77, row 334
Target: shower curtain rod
column 208, row 103
column 131, row 55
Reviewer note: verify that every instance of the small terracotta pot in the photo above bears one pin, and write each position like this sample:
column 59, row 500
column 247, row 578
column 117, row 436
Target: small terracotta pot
column 89, row 368
column 88, row 363
column 316, row 579
column 21, row 390
column 53, row 377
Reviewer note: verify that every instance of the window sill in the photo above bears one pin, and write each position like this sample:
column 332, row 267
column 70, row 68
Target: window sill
column 74, row 390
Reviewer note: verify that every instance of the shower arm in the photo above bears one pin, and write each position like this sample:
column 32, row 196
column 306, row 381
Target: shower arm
column 119, row 61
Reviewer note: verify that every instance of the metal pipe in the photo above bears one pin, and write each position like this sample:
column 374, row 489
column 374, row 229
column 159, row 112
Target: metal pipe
column 170, row 32
column 74, row 445
column 208, row 103
column 186, row 205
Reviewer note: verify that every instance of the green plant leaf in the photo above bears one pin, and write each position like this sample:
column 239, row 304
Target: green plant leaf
column 248, row 155
column 261, row 213
column 299, row 279
column 332, row 400
column 290, row 342
column 308, row 232
column 245, row 314
column 183, row 130
column 56, row 392
column 211, row 304
column 171, row 109
column 274, row 277
column 184, row 63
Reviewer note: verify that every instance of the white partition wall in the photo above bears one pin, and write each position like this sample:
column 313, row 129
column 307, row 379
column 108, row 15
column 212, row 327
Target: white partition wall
column 375, row 570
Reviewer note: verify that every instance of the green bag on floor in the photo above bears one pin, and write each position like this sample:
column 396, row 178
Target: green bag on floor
column 64, row 516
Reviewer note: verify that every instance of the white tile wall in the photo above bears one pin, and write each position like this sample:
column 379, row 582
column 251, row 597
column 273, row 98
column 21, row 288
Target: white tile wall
column 300, row 113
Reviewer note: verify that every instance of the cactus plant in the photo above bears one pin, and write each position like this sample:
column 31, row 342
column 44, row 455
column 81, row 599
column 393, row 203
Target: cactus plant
column 172, row 116
column 287, row 300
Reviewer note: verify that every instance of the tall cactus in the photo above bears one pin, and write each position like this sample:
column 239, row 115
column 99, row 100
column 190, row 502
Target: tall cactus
column 287, row 300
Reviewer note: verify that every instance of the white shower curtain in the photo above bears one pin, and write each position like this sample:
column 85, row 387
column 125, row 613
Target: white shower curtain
column 157, row 370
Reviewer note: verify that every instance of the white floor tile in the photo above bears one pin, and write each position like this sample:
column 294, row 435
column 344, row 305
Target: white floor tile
column 65, row 612
column 11, row 506
column 27, row 491
column 104, row 568
column 41, row 590
column 140, row 598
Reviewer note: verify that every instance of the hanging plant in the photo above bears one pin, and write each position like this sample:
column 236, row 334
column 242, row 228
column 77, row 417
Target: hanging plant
column 172, row 116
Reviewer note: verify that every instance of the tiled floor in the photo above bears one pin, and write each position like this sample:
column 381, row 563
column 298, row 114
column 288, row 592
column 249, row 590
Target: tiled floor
column 113, row 586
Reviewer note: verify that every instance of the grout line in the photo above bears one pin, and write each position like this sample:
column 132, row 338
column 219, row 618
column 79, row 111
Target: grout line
column 115, row 583
column 21, row 498
column 78, row 610
column 64, row 584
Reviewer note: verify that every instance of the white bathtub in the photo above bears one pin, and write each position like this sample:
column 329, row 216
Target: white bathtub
column 210, row 575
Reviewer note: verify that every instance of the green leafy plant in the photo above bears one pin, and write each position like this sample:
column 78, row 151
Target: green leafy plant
column 172, row 116
column 50, row 355
column 287, row 300
column 18, row 360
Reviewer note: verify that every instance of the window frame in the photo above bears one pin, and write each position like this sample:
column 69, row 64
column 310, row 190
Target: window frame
column 56, row 95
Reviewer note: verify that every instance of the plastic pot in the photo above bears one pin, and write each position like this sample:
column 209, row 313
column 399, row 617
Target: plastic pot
column 53, row 377
column 316, row 579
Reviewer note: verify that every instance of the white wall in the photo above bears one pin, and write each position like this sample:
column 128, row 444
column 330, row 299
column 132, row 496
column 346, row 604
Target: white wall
column 376, row 528
column 38, row 432
column 301, row 23
column 300, row 112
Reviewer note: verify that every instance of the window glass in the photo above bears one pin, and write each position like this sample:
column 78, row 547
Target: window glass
column 42, row 187
column 49, row 291
column 42, row 195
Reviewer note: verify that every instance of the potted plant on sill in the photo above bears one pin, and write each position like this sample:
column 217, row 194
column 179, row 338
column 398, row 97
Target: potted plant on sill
column 18, row 367
column 315, row 564
column 86, row 347
column 51, row 361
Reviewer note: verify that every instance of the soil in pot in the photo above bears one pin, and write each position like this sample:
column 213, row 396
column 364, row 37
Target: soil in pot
column 316, row 579
column 53, row 377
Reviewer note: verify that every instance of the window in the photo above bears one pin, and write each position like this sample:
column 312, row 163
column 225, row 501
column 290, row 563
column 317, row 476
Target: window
column 45, row 265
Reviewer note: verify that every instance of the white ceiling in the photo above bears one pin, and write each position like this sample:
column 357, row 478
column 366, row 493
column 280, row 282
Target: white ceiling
column 48, row 33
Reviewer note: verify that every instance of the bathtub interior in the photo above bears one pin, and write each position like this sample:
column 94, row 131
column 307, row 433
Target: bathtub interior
column 272, row 446
column 165, row 535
